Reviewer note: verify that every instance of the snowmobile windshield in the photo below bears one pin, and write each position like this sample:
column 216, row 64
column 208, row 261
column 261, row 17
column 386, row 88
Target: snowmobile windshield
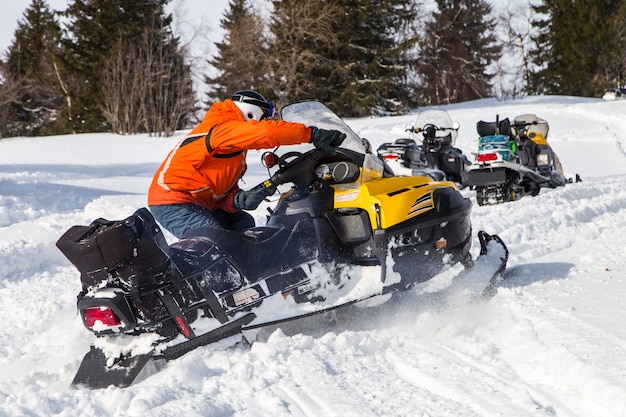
column 314, row 113
column 439, row 118
column 531, row 123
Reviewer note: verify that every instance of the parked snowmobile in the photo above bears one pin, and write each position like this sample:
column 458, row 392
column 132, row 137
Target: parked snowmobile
column 347, row 231
column 611, row 94
column 513, row 160
column 430, row 151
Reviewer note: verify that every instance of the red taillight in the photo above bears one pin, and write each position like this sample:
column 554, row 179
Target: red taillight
column 486, row 157
column 390, row 156
column 100, row 316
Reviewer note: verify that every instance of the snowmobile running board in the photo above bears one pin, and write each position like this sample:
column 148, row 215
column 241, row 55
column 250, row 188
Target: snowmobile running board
column 483, row 237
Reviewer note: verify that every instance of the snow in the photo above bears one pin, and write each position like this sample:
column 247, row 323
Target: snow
column 550, row 342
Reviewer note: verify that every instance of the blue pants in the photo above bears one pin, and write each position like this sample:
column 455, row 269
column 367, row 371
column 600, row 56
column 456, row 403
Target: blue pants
column 178, row 218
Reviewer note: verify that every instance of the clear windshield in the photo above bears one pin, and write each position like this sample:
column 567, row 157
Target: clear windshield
column 439, row 118
column 314, row 113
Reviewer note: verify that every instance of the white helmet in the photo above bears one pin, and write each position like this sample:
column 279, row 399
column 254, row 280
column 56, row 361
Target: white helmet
column 253, row 105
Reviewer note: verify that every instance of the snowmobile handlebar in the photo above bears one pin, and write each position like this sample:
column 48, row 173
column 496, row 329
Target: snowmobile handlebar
column 430, row 127
column 301, row 170
column 520, row 124
column 295, row 167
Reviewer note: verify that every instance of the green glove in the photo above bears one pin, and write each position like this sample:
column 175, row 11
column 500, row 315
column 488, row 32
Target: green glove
column 250, row 200
column 326, row 140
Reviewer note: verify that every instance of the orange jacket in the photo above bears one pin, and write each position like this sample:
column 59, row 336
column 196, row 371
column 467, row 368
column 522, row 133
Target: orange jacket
column 206, row 165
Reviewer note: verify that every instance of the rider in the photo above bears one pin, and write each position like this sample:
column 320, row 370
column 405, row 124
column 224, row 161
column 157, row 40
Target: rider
column 197, row 184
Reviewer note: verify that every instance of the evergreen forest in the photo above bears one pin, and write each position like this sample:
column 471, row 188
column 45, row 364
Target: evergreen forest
column 119, row 66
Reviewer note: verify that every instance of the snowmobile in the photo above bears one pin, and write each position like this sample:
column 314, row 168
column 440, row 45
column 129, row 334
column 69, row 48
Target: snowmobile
column 514, row 160
column 431, row 151
column 611, row 94
column 344, row 231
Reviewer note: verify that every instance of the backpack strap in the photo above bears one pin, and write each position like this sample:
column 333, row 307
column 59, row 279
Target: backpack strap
column 212, row 151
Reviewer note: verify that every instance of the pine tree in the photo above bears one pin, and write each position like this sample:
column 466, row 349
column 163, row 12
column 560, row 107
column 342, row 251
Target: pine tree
column 578, row 48
column 32, row 68
column 305, row 51
column 347, row 53
column 618, row 74
column 458, row 47
column 242, row 54
column 99, row 28
column 375, row 46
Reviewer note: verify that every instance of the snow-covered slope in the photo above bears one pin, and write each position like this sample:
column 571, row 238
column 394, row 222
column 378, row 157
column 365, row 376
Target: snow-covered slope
column 551, row 342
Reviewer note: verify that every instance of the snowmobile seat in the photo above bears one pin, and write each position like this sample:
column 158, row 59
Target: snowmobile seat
column 254, row 250
column 527, row 151
column 405, row 141
column 485, row 128
column 494, row 128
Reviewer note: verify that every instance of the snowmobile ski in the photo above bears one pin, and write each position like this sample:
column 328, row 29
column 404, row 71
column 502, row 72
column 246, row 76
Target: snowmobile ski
column 485, row 239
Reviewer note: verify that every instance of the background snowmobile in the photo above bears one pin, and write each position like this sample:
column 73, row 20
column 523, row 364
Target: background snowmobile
column 347, row 231
column 611, row 94
column 431, row 150
column 513, row 160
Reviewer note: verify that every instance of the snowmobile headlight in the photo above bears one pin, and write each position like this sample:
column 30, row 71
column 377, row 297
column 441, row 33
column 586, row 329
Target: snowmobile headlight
column 543, row 159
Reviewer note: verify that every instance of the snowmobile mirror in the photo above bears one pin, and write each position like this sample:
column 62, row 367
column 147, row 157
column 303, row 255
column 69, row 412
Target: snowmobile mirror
column 456, row 125
column 367, row 145
column 269, row 159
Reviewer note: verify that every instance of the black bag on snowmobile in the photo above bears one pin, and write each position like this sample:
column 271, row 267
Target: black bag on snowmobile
column 133, row 250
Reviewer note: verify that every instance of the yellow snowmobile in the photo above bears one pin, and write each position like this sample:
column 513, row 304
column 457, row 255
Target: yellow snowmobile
column 346, row 231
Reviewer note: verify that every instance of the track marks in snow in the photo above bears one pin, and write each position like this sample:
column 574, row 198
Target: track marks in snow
column 557, row 219
column 549, row 349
